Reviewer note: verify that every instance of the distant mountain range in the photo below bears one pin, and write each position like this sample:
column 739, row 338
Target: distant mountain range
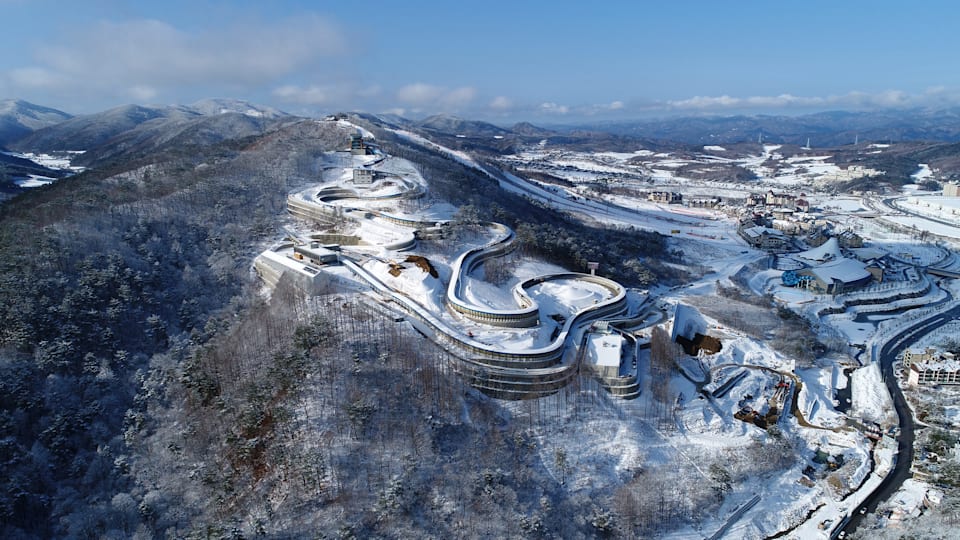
column 486, row 138
column 453, row 125
column 122, row 131
column 91, row 131
column 125, row 131
column 821, row 129
column 19, row 118
column 28, row 127
column 826, row 129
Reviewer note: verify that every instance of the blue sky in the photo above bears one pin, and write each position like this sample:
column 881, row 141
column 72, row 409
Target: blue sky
column 547, row 62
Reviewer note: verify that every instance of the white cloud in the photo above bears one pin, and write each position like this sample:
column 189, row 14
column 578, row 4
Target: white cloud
column 310, row 95
column 419, row 93
column 144, row 58
column 704, row 102
column 501, row 103
column 601, row 109
column 142, row 92
column 423, row 96
column 458, row 97
column 553, row 108
column 341, row 94
column 34, row 77
column 892, row 98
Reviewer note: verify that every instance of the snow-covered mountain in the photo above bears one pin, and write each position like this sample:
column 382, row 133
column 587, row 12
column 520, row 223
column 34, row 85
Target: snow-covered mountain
column 222, row 106
column 90, row 131
column 18, row 118
column 453, row 125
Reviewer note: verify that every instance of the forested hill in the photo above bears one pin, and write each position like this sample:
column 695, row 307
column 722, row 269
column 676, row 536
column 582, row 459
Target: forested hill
column 147, row 389
column 101, row 271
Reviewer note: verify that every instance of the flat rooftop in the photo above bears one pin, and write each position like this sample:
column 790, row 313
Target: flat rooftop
column 604, row 349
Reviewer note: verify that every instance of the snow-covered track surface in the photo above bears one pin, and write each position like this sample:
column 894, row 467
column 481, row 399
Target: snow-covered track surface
column 509, row 373
column 503, row 371
column 527, row 314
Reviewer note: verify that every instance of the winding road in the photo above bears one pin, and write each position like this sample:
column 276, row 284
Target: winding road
column 904, row 459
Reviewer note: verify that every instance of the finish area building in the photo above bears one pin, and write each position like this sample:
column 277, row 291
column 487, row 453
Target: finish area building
column 836, row 277
column 829, row 272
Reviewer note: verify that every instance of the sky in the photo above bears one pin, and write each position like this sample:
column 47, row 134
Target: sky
column 548, row 62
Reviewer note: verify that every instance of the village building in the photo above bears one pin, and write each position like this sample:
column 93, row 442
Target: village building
column 782, row 213
column 829, row 272
column 868, row 254
column 784, row 200
column 850, row 239
column 836, row 277
column 911, row 356
column 764, row 237
column 930, row 366
column 669, row 197
column 942, row 372
column 787, row 226
column 359, row 146
column 755, row 199
column 711, row 202
column 817, row 237
column 315, row 253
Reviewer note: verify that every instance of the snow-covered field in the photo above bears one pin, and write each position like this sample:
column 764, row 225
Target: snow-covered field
column 34, row 180
column 59, row 161
column 642, row 167
column 871, row 400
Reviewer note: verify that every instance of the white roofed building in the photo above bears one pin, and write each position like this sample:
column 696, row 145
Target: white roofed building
column 930, row 366
column 603, row 354
column 836, row 276
column 764, row 237
column 827, row 251
column 942, row 372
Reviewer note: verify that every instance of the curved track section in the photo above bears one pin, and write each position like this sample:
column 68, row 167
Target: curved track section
column 527, row 314
column 319, row 207
column 501, row 372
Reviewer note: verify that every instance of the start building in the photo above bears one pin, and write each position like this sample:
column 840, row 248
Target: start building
column 362, row 176
column 357, row 146
column 316, row 254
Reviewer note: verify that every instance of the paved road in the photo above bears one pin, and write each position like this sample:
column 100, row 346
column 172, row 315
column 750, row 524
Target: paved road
column 893, row 204
column 904, row 459
column 734, row 517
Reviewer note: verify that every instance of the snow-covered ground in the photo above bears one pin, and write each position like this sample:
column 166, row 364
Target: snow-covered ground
column 59, row 161
column 33, row 181
column 870, row 399
column 939, row 207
